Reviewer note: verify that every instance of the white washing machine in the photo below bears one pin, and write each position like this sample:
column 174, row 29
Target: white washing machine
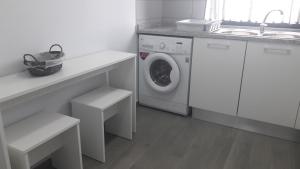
column 164, row 72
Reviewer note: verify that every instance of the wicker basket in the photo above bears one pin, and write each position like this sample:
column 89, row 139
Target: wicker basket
column 46, row 63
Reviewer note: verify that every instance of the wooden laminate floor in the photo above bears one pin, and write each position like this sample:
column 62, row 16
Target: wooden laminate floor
column 167, row 141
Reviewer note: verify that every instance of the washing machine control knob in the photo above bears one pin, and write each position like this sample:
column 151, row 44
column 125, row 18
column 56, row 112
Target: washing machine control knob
column 162, row 45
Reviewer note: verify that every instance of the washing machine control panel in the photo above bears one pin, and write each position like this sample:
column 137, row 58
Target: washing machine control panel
column 165, row 44
column 162, row 45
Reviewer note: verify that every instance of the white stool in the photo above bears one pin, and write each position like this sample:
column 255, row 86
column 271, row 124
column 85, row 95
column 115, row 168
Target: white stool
column 93, row 109
column 45, row 135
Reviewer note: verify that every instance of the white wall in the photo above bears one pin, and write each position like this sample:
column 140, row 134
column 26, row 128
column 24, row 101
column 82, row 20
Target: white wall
column 81, row 26
column 165, row 12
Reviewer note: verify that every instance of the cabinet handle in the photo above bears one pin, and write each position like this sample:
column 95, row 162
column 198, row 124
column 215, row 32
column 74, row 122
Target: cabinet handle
column 277, row 51
column 217, row 46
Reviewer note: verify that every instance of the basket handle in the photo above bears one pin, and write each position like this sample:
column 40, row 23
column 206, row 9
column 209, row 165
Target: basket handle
column 58, row 45
column 27, row 61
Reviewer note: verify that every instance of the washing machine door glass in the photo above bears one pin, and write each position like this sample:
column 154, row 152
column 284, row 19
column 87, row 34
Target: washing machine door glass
column 162, row 72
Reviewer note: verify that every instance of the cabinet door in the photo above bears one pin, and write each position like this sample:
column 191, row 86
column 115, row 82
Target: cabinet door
column 216, row 74
column 271, row 83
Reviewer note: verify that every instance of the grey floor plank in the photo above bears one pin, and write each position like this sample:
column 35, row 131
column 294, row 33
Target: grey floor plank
column 150, row 129
column 240, row 152
column 114, row 149
column 260, row 155
column 282, row 154
column 295, row 157
column 210, row 149
column 170, row 149
column 167, row 141
column 151, row 124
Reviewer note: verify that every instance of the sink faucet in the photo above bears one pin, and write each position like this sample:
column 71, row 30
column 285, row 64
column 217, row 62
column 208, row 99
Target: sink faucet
column 263, row 24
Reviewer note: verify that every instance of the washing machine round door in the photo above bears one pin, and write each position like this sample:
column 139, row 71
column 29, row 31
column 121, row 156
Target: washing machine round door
column 161, row 72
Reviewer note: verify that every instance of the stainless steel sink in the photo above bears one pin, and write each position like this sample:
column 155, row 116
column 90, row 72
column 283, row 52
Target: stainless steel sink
column 255, row 33
column 240, row 32
column 282, row 35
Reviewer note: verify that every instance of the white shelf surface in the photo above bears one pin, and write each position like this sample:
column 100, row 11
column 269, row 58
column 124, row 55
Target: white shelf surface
column 16, row 85
column 103, row 98
column 37, row 129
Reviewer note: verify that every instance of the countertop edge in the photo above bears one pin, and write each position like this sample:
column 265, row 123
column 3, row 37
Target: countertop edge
column 171, row 31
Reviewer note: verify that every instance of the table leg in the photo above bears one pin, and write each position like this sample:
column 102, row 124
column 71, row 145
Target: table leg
column 4, row 158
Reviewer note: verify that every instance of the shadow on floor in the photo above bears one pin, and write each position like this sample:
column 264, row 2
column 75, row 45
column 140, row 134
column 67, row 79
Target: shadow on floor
column 167, row 141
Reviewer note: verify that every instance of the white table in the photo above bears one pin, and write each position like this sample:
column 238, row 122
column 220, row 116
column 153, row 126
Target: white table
column 15, row 89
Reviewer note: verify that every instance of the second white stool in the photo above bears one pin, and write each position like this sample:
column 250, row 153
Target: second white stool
column 96, row 107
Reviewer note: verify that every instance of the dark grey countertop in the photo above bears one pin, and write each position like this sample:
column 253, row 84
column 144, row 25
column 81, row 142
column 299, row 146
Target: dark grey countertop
column 172, row 31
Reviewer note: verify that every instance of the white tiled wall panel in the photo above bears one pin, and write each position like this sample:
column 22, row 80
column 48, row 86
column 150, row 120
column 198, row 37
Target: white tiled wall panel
column 174, row 10
column 169, row 11
column 180, row 9
column 199, row 9
column 149, row 11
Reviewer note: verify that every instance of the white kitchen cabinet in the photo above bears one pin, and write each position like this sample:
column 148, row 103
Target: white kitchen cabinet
column 271, row 83
column 297, row 126
column 217, row 67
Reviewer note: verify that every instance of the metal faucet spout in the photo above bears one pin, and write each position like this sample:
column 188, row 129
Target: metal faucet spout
column 264, row 24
